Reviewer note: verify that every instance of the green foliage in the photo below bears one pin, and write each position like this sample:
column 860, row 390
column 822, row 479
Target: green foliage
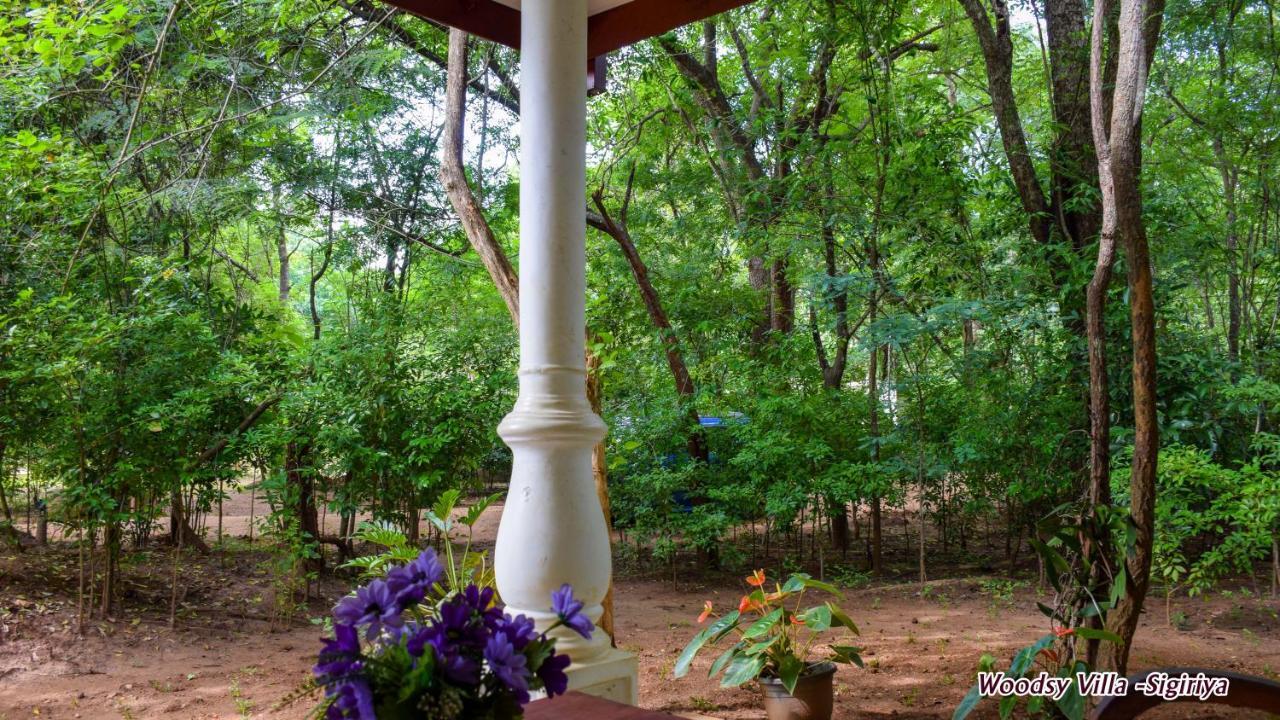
column 1211, row 521
column 161, row 159
column 470, row 567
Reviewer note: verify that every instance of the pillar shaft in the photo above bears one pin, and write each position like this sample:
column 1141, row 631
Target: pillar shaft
column 552, row 529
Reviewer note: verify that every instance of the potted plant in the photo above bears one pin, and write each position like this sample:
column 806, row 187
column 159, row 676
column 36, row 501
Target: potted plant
column 409, row 647
column 774, row 638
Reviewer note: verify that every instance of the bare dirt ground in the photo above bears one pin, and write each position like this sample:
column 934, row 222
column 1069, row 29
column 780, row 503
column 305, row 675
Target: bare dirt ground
column 232, row 655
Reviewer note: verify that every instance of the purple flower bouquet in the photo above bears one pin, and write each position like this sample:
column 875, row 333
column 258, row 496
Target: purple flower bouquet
column 404, row 649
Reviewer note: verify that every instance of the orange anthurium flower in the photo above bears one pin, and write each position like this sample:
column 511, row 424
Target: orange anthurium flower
column 747, row 604
column 797, row 620
column 756, row 579
column 774, row 597
column 1063, row 631
column 706, row 612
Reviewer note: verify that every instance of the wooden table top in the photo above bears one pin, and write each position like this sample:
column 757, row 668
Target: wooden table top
column 575, row 705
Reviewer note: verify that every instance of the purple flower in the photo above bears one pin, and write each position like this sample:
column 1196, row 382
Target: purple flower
column 508, row 664
column 450, row 655
column 480, row 601
column 351, row 699
column 569, row 610
column 519, row 630
column 340, row 657
column 551, row 673
column 459, row 621
column 411, row 583
column 373, row 605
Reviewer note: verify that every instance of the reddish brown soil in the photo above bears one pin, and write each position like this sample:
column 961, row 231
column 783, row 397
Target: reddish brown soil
column 224, row 661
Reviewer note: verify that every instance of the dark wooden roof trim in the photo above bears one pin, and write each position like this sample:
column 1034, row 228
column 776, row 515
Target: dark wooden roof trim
column 641, row 19
column 607, row 31
column 482, row 18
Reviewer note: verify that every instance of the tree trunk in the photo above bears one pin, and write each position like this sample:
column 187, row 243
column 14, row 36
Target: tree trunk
column 783, row 318
column 300, row 478
column 600, row 472
column 180, row 531
column 1095, row 546
column 454, row 176
column 877, row 554
column 685, row 389
column 1068, row 218
column 996, row 44
column 1139, row 27
column 111, row 566
column 1228, row 173
column 833, row 368
column 4, row 499
column 1275, row 566
column 282, row 252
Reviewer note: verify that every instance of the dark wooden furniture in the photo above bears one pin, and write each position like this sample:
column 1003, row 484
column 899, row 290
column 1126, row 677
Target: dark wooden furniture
column 576, row 706
column 1245, row 691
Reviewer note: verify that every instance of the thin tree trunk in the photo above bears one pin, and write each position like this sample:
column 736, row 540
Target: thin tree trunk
column 685, row 389
column 173, row 582
column 4, row 499
column 301, row 478
column 1228, row 174
column 282, row 252
column 253, row 497
column 219, row 513
column 1275, row 566
column 1095, row 545
column 1139, row 27
column 877, row 554
column 111, row 561
column 600, row 472
column 454, row 176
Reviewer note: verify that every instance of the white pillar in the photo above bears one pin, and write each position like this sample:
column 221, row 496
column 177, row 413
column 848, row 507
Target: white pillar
column 552, row 528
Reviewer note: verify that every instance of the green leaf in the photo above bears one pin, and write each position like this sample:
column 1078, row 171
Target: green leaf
column 795, row 583
column 722, row 661
column 762, row 646
column 966, row 706
column 690, row 652
column 1050, row 612
column 847, row 654
column 1072, row 703
column 800, row 581
column 817, row 618
column 443, row 508
column 381, row 533
column 716, row 629
column 474, row 512
column 763, row 625
column 841, row 618
column 789, row 672
column 743, row 669
column 1023, row 658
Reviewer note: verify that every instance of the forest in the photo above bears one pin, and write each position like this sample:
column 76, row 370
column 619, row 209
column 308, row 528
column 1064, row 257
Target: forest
column 967, row 307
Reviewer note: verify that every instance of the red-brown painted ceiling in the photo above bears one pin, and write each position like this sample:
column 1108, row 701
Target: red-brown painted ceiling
column 606, row 31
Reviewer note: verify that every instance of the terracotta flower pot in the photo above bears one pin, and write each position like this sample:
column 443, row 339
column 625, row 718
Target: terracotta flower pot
column 812, row 699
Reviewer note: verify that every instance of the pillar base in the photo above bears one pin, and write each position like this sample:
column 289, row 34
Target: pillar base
column 612, row 675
